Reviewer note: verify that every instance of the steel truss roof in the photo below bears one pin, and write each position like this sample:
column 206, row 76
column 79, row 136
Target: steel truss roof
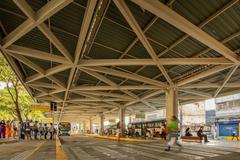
column 93, row 56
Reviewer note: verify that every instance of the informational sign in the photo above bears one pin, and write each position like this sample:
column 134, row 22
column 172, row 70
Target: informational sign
column 47, row 120
column 41, row 107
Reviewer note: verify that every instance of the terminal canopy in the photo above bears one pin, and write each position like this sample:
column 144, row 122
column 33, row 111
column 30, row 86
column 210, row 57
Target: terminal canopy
column 92, row 56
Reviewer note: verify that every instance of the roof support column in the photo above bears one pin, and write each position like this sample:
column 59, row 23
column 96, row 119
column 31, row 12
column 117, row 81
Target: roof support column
column 171, row 103
column 91, row 126
column 122, row 121
column 84, row 127
column 101, row 124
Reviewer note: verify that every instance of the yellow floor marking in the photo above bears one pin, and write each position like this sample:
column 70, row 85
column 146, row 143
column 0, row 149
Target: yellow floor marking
column 39, row 146
column 60, row 154
column 121, row 139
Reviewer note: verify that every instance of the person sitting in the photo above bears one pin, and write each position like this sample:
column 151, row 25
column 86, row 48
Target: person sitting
column 188, row 132
column 200, row 134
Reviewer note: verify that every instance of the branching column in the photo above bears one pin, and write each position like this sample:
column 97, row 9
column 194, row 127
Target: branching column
column 171, row 103
column 101, row 124
column 122, row 120
column 91, row 126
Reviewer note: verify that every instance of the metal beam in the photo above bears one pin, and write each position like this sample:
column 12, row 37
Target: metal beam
column 107, row 88
column 122, row 6
column 170, row 16
column 162, row 61
column 42, row 14
column 29, row 12
column 229, row 75
column 117, row 73
column 88, row 15
column 210, row 85
column 203, row 74
column 195, row 92
column 36, row 54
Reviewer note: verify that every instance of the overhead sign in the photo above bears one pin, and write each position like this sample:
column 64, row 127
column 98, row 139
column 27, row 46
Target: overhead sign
column 47, row 120
column 41, row 107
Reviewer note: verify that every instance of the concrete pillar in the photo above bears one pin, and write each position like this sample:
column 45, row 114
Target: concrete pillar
column 101, row 124
column 84, row 127
column 171, row 103
column 90, row 126
column 122, row 121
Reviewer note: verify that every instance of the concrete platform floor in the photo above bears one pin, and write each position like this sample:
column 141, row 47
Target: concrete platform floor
column 89, row 148
column 28, row 150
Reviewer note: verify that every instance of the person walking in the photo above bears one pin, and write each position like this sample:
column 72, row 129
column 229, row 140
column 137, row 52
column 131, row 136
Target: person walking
column 234, row 135
column 173, row 133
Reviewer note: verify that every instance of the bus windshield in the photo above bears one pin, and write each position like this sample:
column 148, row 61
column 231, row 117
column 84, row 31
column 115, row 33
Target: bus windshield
column 64, row 126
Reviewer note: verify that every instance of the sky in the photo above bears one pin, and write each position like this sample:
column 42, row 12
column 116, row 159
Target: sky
column 2, row 85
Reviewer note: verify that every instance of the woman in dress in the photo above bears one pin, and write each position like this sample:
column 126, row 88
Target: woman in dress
column 8, row 129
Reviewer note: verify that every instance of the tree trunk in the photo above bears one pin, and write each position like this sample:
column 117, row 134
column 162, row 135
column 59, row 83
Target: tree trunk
column 18, row 112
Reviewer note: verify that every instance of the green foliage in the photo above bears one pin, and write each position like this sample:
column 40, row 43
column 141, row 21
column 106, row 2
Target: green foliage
column 15, row 102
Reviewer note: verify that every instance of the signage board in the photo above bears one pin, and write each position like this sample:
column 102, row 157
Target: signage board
column 41, row 107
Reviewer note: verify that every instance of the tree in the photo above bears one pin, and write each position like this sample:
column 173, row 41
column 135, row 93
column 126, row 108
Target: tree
column 15, row 102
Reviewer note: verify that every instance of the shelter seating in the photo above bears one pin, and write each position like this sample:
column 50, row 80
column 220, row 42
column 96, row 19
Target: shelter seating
column 191, row 139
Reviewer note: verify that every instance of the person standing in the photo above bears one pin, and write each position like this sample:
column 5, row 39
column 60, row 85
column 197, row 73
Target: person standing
column 14, row 130
column 51, row 131
column 35, row 130
column 45, row 131
column 8, row 129
column 28, row 131
column 173, row 133
column 3, row 129
column 41, row 131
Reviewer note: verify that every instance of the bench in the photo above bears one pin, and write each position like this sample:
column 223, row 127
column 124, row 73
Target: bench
column 191, row 139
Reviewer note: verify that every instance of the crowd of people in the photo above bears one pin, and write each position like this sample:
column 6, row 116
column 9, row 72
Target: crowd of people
column 26, row 130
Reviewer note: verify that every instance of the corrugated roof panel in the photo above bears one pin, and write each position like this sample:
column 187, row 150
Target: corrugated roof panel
column 139, row 51
column 234, row 44
column 157, row 48
column 99, row 52
column 225, row 24
column 143, row 17
column 149, row 71
column 197, row 11
column 8, row 24
column 114, row 36
column 69, row 18
column 37, row 4
column 11, row 6
column 189, row 47
column 211, row 54
column 34, row 39
column 114, row 14
column 164, row 33
column 171, row 54
column 130, row 68
column 68, row 41
column 81, row 2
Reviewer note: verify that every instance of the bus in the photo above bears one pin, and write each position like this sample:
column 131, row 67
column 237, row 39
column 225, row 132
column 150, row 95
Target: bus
column 64, row 128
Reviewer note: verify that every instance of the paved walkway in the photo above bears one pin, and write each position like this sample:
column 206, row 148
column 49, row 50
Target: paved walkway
column 28, row 150
column 89, row 148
